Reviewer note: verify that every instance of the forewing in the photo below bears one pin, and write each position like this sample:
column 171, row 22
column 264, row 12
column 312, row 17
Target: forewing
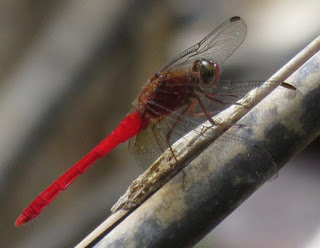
column 216, row 46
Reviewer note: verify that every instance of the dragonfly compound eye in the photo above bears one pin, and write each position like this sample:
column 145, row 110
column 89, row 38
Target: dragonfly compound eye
column 208, row 73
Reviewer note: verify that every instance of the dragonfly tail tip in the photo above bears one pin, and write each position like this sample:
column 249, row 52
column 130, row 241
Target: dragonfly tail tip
column 21, row 220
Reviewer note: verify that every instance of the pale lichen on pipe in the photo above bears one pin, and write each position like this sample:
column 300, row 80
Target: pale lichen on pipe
column 193, row 202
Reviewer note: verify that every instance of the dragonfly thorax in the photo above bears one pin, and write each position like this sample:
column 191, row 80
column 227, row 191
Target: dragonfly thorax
column 165, row 93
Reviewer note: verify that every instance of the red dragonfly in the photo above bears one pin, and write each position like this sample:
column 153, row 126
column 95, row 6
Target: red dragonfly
column 167, row 106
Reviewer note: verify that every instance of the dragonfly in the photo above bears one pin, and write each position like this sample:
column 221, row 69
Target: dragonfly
column 184, row 93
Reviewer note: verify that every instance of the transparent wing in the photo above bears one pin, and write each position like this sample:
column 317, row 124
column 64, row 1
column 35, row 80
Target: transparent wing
column 146, row 149
column 216, row 46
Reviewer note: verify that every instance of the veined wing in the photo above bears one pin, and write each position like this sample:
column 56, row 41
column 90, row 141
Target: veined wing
column 145, row 147
column 216, row 46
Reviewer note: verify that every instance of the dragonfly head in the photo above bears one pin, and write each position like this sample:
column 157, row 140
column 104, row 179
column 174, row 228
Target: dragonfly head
column 208, row 71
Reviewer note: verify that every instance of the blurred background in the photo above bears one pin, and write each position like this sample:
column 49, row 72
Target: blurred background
column 69, row 71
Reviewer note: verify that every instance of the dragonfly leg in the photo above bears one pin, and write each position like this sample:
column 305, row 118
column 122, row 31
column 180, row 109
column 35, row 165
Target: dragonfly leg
column 192, row 110
column 176, row 122
column 212, row 97
column 156, row 137
column 206, row 113
column 192, row 113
